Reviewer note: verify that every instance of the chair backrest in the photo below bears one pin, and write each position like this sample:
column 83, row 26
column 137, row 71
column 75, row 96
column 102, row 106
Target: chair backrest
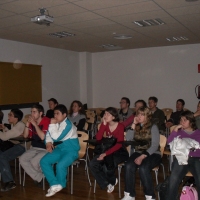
column 90, row 116
column 83, row 145
column 172, row 128
column 167, row 112
column 86, row 126
column 163, row 141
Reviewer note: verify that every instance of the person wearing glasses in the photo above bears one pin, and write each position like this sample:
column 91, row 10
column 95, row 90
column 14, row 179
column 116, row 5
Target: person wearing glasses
column 14, row 118
column 36, row 128
column 125, row 112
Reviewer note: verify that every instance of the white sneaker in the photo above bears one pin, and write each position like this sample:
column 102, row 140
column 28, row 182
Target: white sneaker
column 148, row 197
column 53, row 190
column 112, row 187
column 127, row 196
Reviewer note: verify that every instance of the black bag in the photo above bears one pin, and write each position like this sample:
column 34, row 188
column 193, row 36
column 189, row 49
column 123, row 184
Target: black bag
column 162, row 188
column 104, row 145
column 5, row 145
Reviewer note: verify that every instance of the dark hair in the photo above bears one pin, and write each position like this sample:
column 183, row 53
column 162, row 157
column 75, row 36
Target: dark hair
column 113, row 112
column 80, row 105
column 39, row 108
column 54, row 100
column 127, row 100
column 17, row 114
column 182, row 101
column 189, row 116
column 141, row 101
column 62, row 108
column 155, row 99
column 1, row 116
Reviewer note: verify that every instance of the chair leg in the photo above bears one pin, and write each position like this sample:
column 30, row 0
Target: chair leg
column 72, row 167
column 24, row 178
column 156, row 174
column 119, row 178
column 20, row 178
column 95, row 186
column 43, row 182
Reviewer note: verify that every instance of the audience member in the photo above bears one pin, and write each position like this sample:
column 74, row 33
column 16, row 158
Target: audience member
column 186, row 129
column 36, row 128
column 52, row 104
column 125, row 112
column 14, row 118
column 1, row 116
column 145, row 157
column 103, row 166
column 158, row 116
column 62, row 131
column 138, row 104
column 175, row 116
column 197, row 116
column 77, row 115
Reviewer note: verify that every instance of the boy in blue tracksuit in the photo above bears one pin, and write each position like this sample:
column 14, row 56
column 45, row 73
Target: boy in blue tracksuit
column 61, row 131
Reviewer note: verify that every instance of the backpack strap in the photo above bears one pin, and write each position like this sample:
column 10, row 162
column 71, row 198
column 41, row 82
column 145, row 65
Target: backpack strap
column 194, row 192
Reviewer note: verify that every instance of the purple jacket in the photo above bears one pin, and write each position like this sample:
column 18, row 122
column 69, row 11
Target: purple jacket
column 195, row 136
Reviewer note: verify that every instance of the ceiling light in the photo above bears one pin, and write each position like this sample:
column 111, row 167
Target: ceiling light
column 62, row 34
column 149, row 22
column 42, row 19
column 176, row 39
column 110, row 46
column 122, row 37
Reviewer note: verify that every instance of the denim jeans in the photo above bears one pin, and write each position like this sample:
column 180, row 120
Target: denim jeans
column 5, row 158
column 104, row 171
column 178, row 173
column 145, row 170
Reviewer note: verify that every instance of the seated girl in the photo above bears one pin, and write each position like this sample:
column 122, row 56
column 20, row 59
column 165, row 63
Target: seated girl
column 77, row 115
column 103, row 166
column 63, row 132
column 145, row 158
column 186, row 129
column 197, row 116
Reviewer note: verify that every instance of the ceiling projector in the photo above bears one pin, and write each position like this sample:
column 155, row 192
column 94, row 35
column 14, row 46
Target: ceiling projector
column 42, row 19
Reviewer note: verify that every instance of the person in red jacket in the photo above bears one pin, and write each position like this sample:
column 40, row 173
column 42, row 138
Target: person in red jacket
column 103, row 166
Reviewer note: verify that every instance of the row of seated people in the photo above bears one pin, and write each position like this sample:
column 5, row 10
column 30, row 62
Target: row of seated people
column 38, row 160
column 126, row 114
column 35, row 128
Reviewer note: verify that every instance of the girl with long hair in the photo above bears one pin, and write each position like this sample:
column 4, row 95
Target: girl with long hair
column 145, row 158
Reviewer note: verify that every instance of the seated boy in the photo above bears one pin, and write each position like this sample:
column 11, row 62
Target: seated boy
column 36, row 128
column 63, row 132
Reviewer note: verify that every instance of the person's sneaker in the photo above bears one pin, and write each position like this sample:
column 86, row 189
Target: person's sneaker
column 112, row 187
column 8, row 186
column 127, row 196
column 149, row 197
column 53, row 190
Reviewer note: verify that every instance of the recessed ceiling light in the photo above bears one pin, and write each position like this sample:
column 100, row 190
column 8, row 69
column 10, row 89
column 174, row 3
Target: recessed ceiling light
column 122, row 37
column 62, row 34
column 149, row 22
column 180, row 38
column 110, row 46
column 191, row 0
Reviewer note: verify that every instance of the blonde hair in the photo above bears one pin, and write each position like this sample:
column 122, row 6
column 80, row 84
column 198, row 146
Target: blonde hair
column 145, row 129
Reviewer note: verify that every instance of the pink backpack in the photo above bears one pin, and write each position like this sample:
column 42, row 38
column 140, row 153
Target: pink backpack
column 189, row 193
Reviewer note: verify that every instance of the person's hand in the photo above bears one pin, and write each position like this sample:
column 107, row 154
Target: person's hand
column 2, row 126
column 53, row 121
column 49, row 147
column 168, row 124
column 136, row 120
column 139, row 159
column 197, row 113
column 104, row 121
column 31, row 120
column 178, row 127
column 101, row 157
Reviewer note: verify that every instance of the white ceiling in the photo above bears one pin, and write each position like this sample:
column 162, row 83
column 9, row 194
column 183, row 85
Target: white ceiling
column 94, row 21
